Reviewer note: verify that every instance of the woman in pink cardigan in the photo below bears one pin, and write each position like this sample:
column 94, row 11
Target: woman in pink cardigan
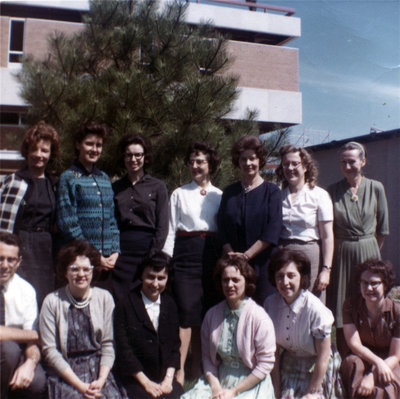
column 238, row 339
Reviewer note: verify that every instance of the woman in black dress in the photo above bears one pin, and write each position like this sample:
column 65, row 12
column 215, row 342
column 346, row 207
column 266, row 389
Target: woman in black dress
column 28, row 207
column 147, row 336
column 141, row 205
column 250, row 214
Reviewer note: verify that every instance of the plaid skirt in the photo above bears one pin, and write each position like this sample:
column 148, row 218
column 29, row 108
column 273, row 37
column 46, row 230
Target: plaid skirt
column 296, row 374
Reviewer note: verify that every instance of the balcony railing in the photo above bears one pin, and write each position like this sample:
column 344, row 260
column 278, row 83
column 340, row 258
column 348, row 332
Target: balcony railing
column 253, row 6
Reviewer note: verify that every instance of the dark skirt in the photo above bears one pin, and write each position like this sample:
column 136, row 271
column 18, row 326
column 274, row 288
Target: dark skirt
column 136, row 391
column 194, row 261
column 135, row 245
column 37, row 265
column 264, row 288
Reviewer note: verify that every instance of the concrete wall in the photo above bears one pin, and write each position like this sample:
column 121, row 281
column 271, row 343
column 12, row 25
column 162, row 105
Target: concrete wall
column 383, row 164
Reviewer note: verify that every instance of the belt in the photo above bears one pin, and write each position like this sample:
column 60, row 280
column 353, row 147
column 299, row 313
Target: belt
column 285, row 241
column 36, row 229
column 183, row 233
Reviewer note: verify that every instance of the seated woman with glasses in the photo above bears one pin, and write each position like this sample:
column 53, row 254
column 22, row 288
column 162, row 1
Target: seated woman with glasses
column 371, row 326
column 76, row 329
column 141, row 206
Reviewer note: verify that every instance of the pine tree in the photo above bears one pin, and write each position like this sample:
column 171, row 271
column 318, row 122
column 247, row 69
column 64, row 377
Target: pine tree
column 139, row 68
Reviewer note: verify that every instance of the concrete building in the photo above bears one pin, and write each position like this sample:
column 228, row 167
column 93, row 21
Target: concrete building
column 267, row 70
column 383, row 164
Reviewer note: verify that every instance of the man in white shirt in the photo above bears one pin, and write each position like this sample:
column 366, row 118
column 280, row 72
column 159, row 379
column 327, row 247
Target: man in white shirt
column 20, row 355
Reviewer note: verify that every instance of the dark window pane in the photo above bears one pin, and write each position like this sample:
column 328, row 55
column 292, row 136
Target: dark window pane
column 9, row 118
column 15, row 58
column 17, row 36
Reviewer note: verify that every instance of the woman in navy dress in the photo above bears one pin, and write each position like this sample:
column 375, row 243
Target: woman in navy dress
column 250, row 214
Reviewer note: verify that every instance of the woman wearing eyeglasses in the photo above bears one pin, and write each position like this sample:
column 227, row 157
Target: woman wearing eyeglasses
column 371, row 326
column 76, row 329
column 307, row 215
column 191, row 241
column 141, row 205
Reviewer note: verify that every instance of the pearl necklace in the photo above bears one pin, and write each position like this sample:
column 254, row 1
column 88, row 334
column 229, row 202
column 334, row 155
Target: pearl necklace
column 74, row 302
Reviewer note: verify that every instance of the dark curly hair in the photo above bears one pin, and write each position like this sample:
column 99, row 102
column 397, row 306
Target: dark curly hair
column 284, row 256
column 129, row 139
column 41, row 131
column 244, row 268
column 71, row 251
column 157, row 262
column 307, row 161
column 383, row 268
column 249, row 143
column 208, row 150
column 98, row 129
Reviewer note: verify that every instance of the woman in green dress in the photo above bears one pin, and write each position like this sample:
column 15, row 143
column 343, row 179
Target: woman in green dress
column 361, row 221
column 237, row 339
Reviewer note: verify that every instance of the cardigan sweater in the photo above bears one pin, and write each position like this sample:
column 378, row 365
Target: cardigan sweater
column 255, row 339
column 53, row 326
column 85, row 209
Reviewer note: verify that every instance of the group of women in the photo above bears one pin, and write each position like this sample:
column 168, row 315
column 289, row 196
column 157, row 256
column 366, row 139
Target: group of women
column 125, row 234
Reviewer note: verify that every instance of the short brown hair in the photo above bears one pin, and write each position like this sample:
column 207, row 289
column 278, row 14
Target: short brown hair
column 11, row 239
column 354, row 145
column 382, row 267
column 98, row 129
column 284, row 256
column 244, row 268
column 208, row 150
column 41, row 131
column 129, row 139
column 71, row 251
column 307, row 161
column 249, row 143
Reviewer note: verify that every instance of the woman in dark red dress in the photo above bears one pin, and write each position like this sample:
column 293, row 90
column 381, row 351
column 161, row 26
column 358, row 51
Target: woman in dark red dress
column 371, row 326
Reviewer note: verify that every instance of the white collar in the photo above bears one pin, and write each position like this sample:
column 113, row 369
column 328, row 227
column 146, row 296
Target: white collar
column 148, row 302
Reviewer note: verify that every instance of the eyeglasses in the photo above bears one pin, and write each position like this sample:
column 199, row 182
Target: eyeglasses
column 75, row 269
column 372, row 284
column 11, row 261
column 293, row 164
column 137, row 155
column 199, row 162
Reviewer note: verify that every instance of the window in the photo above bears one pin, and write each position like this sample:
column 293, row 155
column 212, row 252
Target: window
column 16, row 40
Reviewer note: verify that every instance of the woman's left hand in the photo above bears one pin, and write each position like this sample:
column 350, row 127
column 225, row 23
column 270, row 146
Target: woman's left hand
column 311, row 396
column 225, row 394
column 109, row 261
column 322, row 280
column 97, row 384
column 166, row 386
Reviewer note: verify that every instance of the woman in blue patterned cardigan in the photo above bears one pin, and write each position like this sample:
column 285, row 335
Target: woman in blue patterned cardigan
column 85, row 205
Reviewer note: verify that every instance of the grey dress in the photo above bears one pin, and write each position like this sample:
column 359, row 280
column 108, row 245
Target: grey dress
column 84, row 359
column 357, row 222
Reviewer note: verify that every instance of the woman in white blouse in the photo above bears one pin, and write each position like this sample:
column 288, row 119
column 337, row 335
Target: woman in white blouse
column 305, row 365
column 307, row 214
column 191, row 241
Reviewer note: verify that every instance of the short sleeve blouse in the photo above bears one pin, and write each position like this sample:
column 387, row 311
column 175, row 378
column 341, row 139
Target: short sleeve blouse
column 298, row 324
column 376, row 338
column 300, row 216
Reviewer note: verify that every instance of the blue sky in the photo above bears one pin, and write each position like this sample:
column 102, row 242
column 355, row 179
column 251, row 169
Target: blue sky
column 349, row 67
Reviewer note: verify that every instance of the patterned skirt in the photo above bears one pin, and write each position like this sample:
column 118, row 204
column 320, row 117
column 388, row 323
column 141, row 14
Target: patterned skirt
column 296, row 374
column 86, row 367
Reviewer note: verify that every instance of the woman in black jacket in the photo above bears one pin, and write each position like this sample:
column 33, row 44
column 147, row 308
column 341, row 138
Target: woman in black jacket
column 146, row 330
